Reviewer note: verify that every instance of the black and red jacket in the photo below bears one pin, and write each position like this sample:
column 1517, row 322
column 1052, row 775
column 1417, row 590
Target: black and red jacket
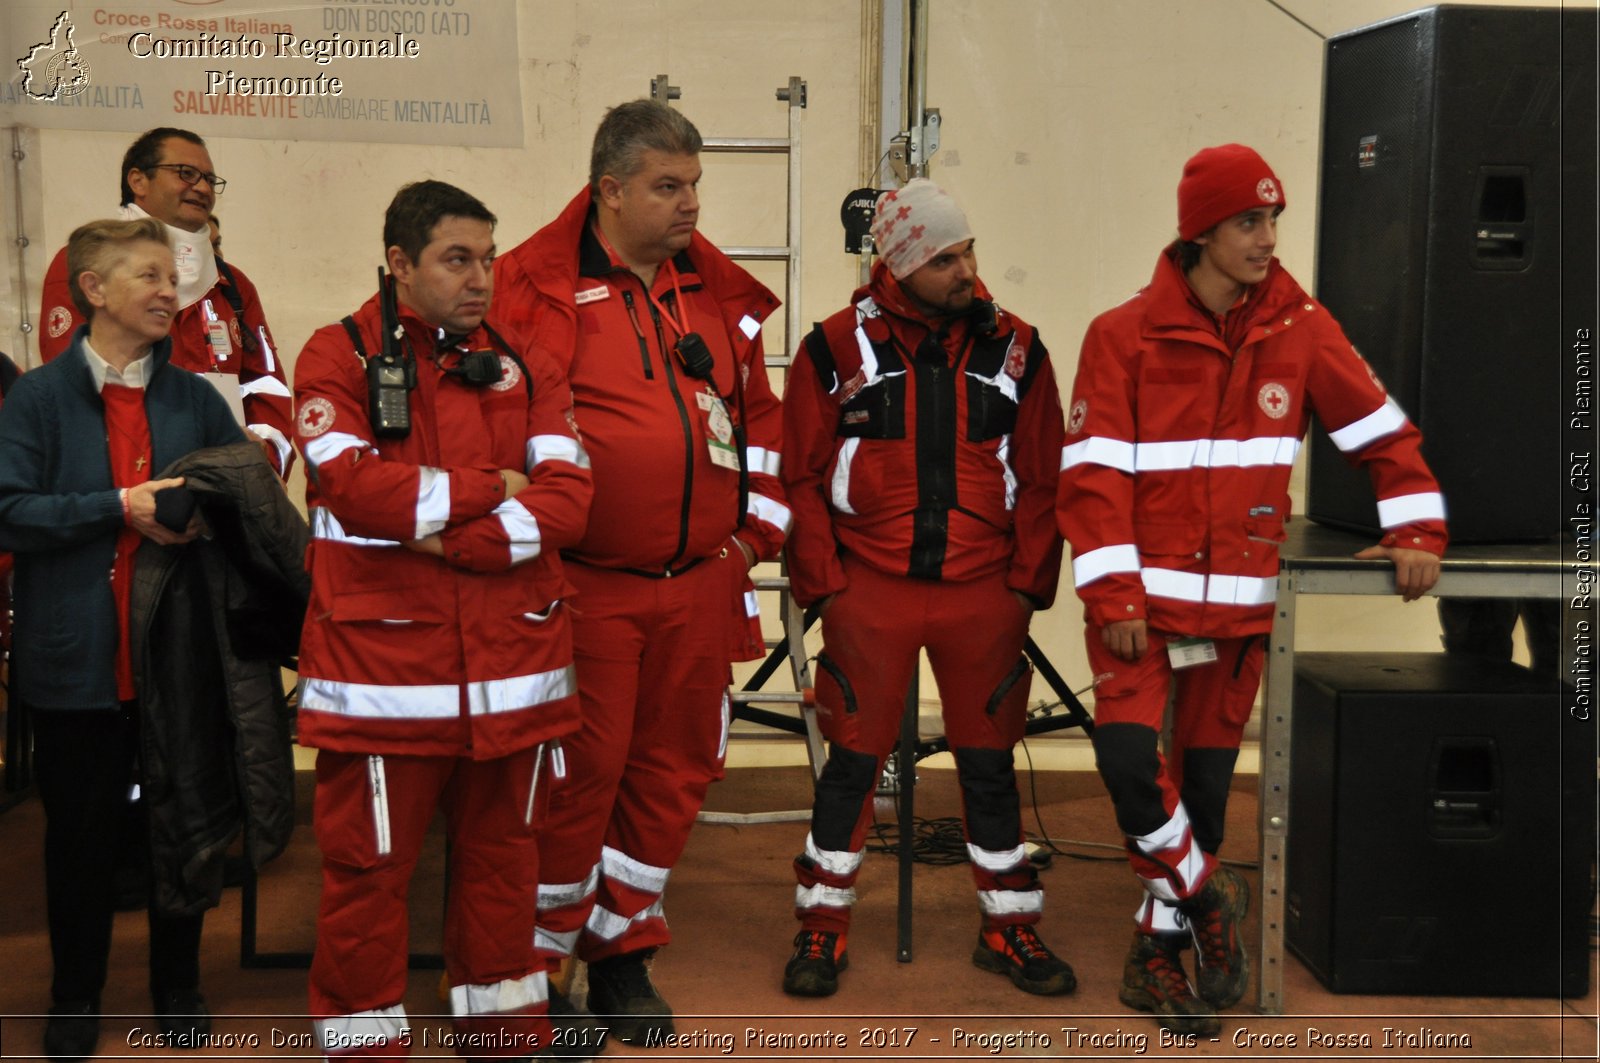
column 923, row 452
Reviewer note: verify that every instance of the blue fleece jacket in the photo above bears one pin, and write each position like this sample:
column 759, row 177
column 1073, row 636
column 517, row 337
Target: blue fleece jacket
column 60, row 513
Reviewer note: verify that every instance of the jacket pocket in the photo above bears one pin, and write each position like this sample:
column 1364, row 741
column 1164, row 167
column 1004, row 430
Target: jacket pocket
column 390, row 605
column 1265, row 529
column 1170, row 539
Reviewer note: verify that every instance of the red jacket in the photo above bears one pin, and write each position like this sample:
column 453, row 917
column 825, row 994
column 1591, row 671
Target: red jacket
column 254, row 360
column 937, row 458
column 405, row 652
column 1175, row 476
column 660, row 502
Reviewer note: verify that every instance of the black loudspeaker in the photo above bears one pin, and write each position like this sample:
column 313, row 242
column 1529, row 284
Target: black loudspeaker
column 1441, row 828
column 1456, row 247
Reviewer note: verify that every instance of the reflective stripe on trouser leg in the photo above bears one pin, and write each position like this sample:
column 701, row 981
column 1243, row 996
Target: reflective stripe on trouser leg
column 1008, row 885
column 1169, row 861
column 504, row 1019
column 1158, row 917
column 627, row 905
column 824, row 889
column 374, row 1034
column 499, row 994
column 1009, row 893
column 563, row 909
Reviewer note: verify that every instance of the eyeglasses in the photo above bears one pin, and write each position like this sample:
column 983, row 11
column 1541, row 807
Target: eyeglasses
column 189, row 175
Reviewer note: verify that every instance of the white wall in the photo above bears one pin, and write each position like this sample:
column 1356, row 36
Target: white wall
column 1066, row 123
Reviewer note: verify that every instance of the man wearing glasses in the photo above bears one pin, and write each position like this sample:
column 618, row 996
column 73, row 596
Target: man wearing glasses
column 220, row 327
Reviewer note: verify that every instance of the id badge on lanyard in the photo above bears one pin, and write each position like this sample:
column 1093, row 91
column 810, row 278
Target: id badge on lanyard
column 719, row 429
column 217, row 338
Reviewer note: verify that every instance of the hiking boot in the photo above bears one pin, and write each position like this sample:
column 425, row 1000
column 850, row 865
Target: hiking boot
column 184, row 1018
column 1216, row 919
column 623, row 999
column 814, row 969
column 577, row 1037
column 1153, row 980
column 72, row 1031
column 1018, row 953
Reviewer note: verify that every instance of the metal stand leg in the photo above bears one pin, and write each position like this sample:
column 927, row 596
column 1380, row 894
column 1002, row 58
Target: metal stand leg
column 907, row 755
column 1274, row 798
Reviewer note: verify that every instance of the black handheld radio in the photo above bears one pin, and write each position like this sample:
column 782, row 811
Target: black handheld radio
column 392, row 372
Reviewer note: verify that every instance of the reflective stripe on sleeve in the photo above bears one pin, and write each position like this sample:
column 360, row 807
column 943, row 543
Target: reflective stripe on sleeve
column 264, row 385
column 762, row 460
column 1385, row 420
column 324, row 525
column 1409, row 509
column 770, row 510
column 556, row 448
column 1107, row 560
column 521, row 528
column 1098, row 450
column 433, row 501
column 330, row 446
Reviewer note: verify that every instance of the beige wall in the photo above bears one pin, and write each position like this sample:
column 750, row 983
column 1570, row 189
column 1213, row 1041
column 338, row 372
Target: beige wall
column 1066, row 123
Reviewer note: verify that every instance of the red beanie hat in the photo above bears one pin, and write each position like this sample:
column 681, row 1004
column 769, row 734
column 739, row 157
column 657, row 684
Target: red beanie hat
column 1221, row 182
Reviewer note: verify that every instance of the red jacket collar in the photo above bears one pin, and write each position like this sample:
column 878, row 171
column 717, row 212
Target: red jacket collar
column 1173, row 304
column 886, row 292
column 550, row 259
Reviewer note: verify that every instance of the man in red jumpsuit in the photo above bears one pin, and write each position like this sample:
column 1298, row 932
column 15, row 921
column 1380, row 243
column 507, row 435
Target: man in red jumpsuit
column 220, row 327
column 660, row 335
column 436, row 663
column 922, row 432
column 1189, row 407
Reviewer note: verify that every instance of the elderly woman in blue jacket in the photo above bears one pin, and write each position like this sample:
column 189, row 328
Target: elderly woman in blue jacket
column 80, row 439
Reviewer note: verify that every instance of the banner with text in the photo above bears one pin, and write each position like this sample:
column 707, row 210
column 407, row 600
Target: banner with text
column 384, row 71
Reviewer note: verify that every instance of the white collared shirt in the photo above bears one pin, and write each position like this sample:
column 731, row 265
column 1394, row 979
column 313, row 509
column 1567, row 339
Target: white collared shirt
column 136, row 375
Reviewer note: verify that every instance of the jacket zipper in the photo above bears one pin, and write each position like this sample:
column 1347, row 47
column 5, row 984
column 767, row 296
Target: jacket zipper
column 688, row 438
column 638, row 331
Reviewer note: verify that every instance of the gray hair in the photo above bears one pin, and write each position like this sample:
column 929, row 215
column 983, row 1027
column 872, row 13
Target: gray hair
column 99, row 246
column 629, row 130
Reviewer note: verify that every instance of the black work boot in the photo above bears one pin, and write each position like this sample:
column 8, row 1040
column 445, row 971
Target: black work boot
column 1022, row 956
column 813, row 970
column 624, row 1001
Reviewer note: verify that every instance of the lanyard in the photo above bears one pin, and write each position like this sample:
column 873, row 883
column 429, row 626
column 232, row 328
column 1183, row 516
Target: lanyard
column 678, row 321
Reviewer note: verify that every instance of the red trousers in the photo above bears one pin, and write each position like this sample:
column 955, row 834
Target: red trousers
column 1172, row 807
column 372, row 814
column 872, row 633
column 653, row 673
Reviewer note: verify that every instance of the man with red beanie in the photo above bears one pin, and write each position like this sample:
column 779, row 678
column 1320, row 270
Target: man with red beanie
column 660, row 334
column 1190, row 403
column 922, row 428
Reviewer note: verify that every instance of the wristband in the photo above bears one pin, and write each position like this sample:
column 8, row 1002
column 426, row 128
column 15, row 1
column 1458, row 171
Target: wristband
column 127, row 511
